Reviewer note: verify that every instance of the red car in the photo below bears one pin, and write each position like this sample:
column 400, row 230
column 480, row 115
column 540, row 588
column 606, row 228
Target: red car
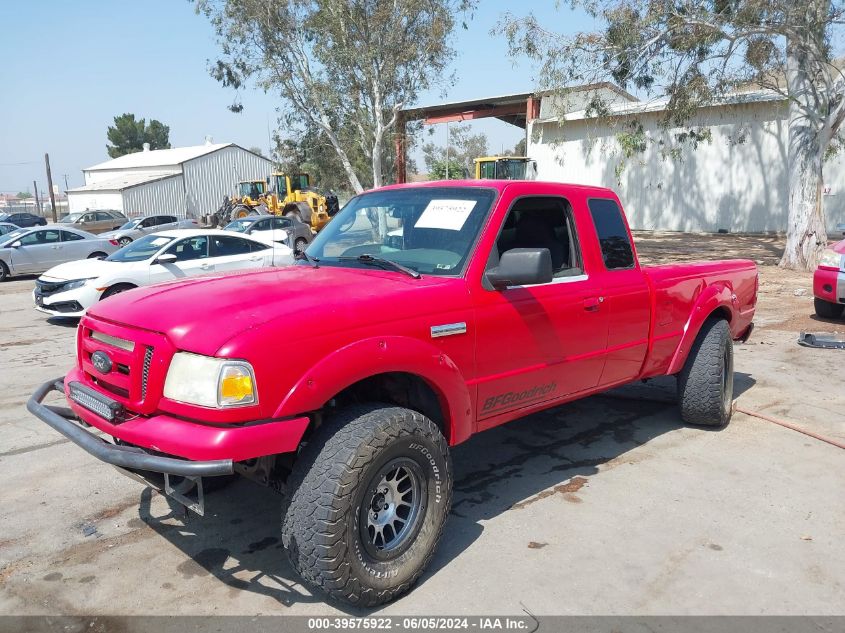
column 829, row 282
column 424, row 314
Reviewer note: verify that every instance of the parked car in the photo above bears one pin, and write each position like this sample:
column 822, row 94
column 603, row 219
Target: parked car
column 829, row 282
column 7, row 227
column 28, row 251
column 145, row 225
column 23, row 219
column 504, row 299
column 271, row 228
column 70, row 289
column 95, row 221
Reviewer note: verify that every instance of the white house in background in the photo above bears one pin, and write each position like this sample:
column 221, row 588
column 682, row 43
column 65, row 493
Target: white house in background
column 737, row 181
column 186, row 181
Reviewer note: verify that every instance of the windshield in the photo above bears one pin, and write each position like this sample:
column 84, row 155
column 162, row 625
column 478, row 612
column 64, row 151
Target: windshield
column 428, row 229
column 511, row 169
column 130, row 225
column 239, row 225
column 70, row 218
column 141, row 249
column 251, row 189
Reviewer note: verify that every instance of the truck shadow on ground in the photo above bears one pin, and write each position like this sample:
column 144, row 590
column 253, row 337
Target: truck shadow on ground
column 506, row 469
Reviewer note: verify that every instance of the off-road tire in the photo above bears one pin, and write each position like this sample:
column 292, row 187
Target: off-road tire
column 4, row 272
column 705, row 384
column 826, row 309
column 332, row 480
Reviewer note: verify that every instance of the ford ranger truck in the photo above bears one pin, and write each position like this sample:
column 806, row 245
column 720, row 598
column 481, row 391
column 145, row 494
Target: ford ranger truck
column 434, row 311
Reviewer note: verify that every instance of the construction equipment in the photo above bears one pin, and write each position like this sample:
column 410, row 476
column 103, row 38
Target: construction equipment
column 505, row 168
column 281, row 194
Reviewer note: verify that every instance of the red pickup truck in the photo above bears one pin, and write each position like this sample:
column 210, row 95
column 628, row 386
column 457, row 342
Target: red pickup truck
column 420, row 315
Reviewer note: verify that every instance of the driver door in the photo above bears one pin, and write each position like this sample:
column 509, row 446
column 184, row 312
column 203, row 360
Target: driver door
column 38, row 251
column 191, row 259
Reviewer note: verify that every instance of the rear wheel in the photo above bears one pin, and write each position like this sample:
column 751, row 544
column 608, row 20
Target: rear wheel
column 123, row 241
column 97, row 255
column 300, row 244
column 828, row 310
column 370, row 493
column 706, row 383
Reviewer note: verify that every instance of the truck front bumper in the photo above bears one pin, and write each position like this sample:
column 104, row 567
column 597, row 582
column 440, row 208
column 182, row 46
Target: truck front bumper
column 132, row 458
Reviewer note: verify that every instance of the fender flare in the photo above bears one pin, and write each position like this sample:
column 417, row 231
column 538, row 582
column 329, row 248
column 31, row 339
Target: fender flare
column 381, row 355
column 715, row 297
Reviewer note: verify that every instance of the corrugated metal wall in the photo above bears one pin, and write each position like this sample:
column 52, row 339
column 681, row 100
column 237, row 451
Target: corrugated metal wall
column 81, row 200
column 160, row 196
column 210, row 177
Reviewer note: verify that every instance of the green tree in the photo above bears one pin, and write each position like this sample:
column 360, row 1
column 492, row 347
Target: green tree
column 437, row 170
column 464, row 148
column 128, row 135
column 345, row 67
column 697, row 52
column 24, row 195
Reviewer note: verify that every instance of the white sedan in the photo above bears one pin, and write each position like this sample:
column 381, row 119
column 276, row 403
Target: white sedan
column 69, row 289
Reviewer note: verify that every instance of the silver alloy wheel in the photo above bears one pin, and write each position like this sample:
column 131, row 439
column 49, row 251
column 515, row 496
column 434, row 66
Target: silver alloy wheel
column 123, row 241
column 392, row 508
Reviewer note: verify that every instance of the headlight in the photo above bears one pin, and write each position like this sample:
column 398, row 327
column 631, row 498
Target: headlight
column 210, row 382
column 76, row 283
column 830, row 259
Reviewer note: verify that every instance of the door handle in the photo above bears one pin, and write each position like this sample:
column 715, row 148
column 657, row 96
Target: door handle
column 255, row 259
column 592, row 304
column 205, row 266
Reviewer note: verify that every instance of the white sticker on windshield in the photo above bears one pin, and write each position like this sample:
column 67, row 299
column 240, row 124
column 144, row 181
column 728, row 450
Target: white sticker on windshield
column 445, row 214
column 160, row 241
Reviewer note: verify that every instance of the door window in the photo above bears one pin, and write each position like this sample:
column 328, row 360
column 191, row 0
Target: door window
column 282, row 223
column 67, row 236
column 543, row 222
column 166, row 219
column 41, row 237
column 190, row 248
column 148, row 222
column 88, row 217
column 614, row 240
column 261, row 225
column 225, row 246
column 103, row 217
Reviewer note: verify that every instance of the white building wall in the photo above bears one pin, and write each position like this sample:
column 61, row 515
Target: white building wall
column 83, row 200
column 210, row 177
column 100, row 175
column 737, row 181
column 166, row 195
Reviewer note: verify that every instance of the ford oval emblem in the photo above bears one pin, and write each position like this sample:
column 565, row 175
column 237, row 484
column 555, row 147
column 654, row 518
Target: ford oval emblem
column 101, row 361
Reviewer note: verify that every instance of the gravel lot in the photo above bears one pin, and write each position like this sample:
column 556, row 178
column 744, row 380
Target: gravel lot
column 606, row 506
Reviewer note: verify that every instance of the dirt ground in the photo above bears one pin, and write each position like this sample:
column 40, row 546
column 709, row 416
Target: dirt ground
column 606, row 506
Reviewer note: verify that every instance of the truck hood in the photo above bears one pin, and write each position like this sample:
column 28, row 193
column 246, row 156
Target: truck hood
column 202, row 313
column 83, row 269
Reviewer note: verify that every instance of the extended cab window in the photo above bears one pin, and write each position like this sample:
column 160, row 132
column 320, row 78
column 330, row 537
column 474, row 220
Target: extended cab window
column 543, row 222
column 614, row 240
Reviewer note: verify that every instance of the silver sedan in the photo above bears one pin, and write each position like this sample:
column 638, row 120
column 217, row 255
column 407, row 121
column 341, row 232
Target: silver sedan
column 34, row 250
column 271, row 228
column 146, row 225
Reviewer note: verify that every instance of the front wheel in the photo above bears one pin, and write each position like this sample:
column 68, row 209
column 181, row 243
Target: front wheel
column 300, row 245
column 370, row 494
column 706, row 383
column 4, row 272
column 828, row 310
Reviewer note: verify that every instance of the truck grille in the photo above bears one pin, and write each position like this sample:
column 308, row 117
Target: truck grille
column 145, row 374
column 139, row 359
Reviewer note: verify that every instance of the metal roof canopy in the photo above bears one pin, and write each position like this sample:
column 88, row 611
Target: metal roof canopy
column 516, row 109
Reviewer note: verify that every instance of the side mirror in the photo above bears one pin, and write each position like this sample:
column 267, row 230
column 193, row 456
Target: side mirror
column 170, row 258
column 522, row 267
column 15, row 244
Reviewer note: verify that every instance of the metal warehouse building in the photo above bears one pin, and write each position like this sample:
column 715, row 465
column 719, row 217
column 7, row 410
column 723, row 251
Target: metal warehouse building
column 185, row 181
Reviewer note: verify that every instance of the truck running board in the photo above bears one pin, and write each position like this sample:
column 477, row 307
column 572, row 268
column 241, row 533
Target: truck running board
column 822, row 341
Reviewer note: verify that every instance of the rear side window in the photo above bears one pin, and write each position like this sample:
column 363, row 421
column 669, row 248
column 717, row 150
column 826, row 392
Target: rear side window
column 67, row 236
column 225, row 246
column 614, row 240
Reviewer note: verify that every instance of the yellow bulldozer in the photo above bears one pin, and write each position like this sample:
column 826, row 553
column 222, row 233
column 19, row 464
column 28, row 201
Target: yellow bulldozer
column 281, row 194
column 505, row 168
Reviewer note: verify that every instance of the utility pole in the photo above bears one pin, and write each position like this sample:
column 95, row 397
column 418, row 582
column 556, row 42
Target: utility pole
column 447, row 150
column 66, row 185
column 37, row 201
column 50, row 187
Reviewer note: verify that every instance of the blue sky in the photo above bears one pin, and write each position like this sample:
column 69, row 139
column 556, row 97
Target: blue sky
column 68, row 68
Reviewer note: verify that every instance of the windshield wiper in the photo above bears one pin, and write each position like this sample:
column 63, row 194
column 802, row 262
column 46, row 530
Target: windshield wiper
column 303, row 256
column 366, row 258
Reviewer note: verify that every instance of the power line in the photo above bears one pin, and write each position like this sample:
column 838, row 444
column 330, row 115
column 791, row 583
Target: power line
column 30, row 162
